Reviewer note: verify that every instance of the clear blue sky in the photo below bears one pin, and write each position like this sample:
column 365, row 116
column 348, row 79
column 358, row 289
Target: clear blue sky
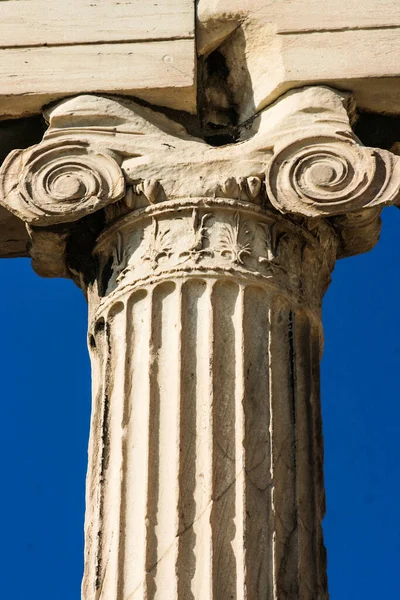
column 45, row 392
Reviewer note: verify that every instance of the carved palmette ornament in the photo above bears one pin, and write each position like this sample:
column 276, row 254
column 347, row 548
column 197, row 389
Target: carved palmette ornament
column 327, row 176
column 59, row 182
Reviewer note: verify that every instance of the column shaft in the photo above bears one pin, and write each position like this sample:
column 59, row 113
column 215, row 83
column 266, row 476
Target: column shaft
column 206, row 460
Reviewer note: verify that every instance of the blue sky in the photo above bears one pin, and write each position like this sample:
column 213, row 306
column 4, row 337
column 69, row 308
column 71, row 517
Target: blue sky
column 45, row 391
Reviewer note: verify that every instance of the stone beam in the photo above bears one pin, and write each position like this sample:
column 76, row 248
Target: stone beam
column 58, row 49
column 271, row 47
column 204, row 270
column 47, row 50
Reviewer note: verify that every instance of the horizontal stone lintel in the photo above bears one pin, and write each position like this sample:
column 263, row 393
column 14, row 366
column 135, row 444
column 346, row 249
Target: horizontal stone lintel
column 52, row 50
column 147, row 50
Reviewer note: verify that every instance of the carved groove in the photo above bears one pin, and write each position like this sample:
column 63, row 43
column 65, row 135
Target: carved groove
column 162, row 515
column 224, row 469
column 135, row 447
column 195, row 410
column 257, row 460
column 110, row 482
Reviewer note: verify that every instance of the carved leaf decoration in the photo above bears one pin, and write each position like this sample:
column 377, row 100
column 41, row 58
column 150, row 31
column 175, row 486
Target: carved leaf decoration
column 273, row 238
column 196, row 250
column 233, row 242
column 160, row 246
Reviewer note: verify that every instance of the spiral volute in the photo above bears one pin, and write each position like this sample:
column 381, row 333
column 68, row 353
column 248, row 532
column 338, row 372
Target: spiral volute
column 327, row 176
column 58, row 183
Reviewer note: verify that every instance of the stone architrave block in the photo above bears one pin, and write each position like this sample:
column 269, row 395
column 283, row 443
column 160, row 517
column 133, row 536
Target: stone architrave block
column 49, row 50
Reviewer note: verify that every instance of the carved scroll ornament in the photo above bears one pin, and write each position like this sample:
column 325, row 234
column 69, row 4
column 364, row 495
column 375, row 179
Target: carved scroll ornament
column 299, row 157
column 59, row 182
column 332, row 175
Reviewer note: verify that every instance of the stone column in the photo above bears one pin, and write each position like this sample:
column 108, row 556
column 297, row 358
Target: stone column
column 206, row 464
column 204, row 270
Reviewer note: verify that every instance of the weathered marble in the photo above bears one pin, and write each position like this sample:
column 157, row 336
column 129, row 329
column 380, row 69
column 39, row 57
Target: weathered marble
column 271, row 47
column 50, row 50
column 204, row 269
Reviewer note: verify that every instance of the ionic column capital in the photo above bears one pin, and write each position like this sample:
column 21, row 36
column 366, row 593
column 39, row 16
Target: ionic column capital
column 319, row 167
column 110, row 156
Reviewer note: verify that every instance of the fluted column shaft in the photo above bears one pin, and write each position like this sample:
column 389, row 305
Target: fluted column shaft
column 205, row 477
